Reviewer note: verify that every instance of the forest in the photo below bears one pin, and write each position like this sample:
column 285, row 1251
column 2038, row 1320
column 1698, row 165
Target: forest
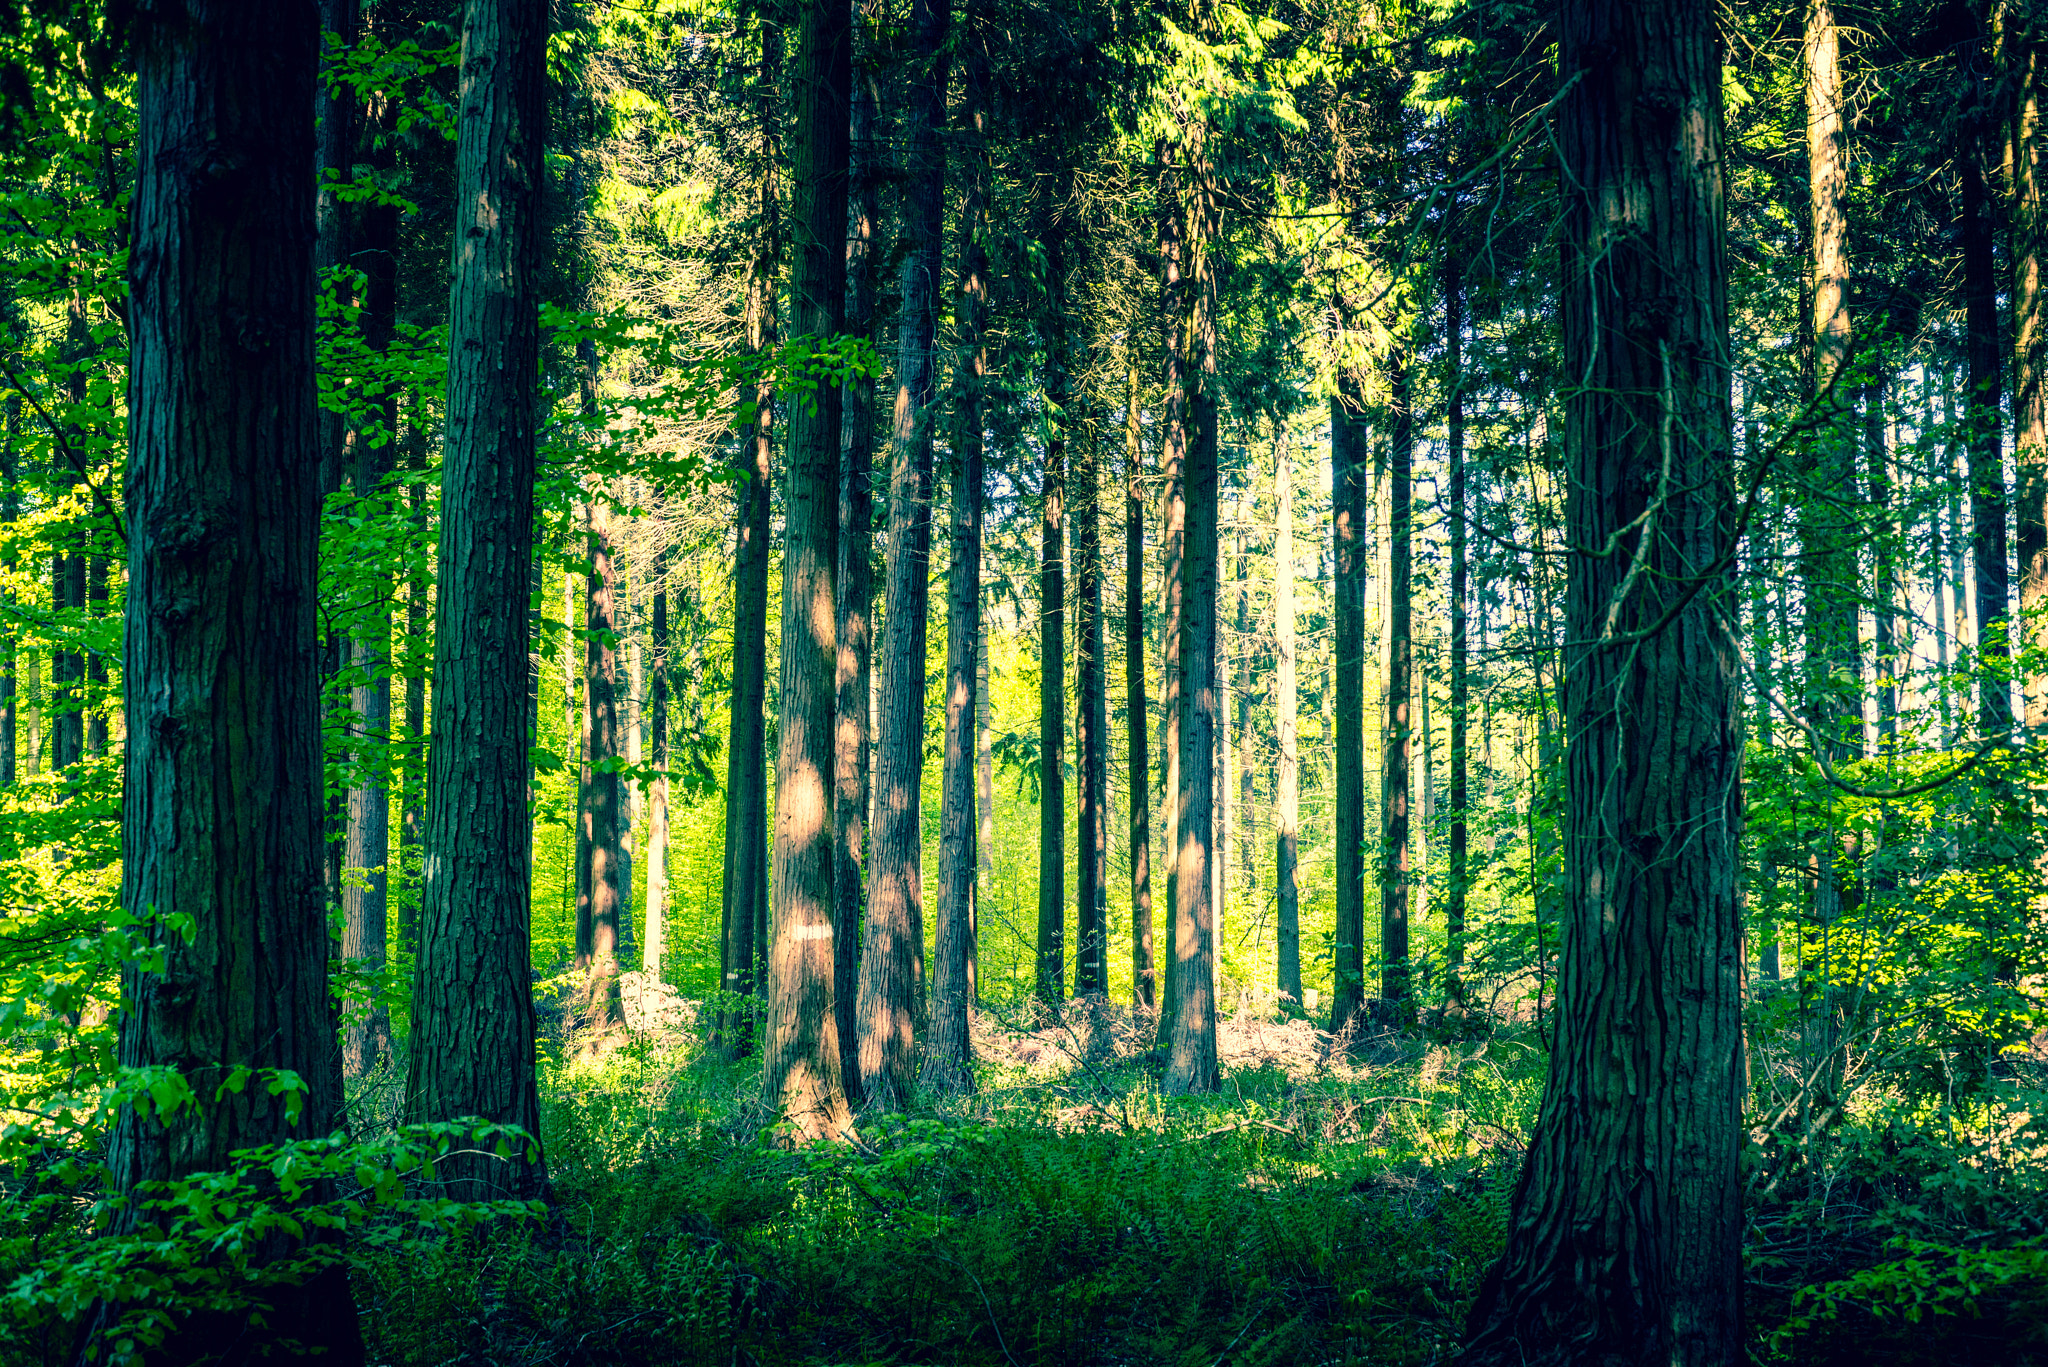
column 797, row 682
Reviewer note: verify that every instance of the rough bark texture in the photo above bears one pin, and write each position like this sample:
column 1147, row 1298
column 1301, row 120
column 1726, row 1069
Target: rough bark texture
column 1624, row 1241
column 1173, row 454
column 604, row 874
column 655, row 945
column 892, row 958
column 2029, row 226
column 1091, row 730
column 1983, row 417
column 473, row 1022
column 1348, row 464
column 1461, row 703
column 220, row 813
column 852, row 722
column 1287, row 794
column 1191, row 1061
column 1052, row 651
column 801, row 1059
column 1143, row 986
column 949, row 1052
column 1398, row 742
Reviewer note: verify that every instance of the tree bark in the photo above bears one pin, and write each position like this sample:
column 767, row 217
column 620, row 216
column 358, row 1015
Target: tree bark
column 1143, row 986
column 1624, row 1237
column 801, row 1061
column 949, row 1054
column 2026, row 154
column 892, row 959
column 1461, row 698
column 601, row 815
column 1191, row 1062
column 1348, row 464
column 1091, row 730
column 220, row 809
column 1052, row 647
column 1397, row 776
column 655, row 949
column 1173, row 455
column 1287, row 794
column 1983, row 418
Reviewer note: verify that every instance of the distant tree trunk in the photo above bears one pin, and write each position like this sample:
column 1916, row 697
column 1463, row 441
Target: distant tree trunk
column 1884, row 554
column 892, row 959
column 853, row 731
column 220, row 810
column 601, row 824
column 418, row 659
column 334, row 150
column 10, row 666
column 1091, row 730
column 1983, row 418
column 1460, row 794
column 473, row 1023
column 1226, row 759
column 67, row 721
column 2026, row 154
column 655, row 950
column 949, row 1054
column 1397, row 778
column 1173, row 455
column 1286, row 795
column 1052, row 648
column 1624, row 1238
column 746, row 779
column 1191, row 1062
column 802, row 1067
column 95, row 566
column 1349, row 461
column 1143, row 986
column 984, row 803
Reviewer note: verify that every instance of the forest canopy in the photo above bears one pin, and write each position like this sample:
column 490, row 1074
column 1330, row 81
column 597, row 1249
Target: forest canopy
column 969, row 682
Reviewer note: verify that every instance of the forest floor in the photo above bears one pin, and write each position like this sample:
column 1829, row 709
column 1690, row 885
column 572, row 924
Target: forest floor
column 1329, row 1206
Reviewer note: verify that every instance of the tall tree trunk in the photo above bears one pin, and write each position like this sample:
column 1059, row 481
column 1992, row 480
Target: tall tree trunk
column 2026, row 155
column 1052, row 648
column 746, row 779
column 853, row 730
column 949, row 1054
column 334, row 150
column 1884, row 554
column 655, row 947
column 1461, row 698
column 97, row 700
column 1983, row 419
column 984, row 806
column 1143, row 986
column 892, row 959
column 1173, row 456
column 418, row 659
column 1226, row 776
column 1625, row 1235
column 1286, row 794
column 1191, row 1062
column 1091, row 729
column 473, row 1022
column 802, row 1064
column 220, row 811
column 1349, row 461
column 601, row 823
column 1397, row 777
column 10, row 560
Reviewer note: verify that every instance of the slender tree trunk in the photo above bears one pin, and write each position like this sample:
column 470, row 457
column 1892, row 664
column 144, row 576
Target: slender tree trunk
column 1191, row 1061
column 892, row 960
column 1052, row 648
column 220, row 814
column 802, row 1064
column 746, row 784
column 418, row 659
column 1091, row 729
column 1287, row 798
column 1461, row 700
column 2029, row 250
column 1397, row 777
column 853, row 730
column 95, row 566
column 984, row 805
column 1884, row 554
column 1625, row 1235
column 655, row 949
column 1349, row 461
column 949, row 1055
column 1173, row 549
column 1143, row 986
column 601, row 808
column 1983, row 419
column 10, row 668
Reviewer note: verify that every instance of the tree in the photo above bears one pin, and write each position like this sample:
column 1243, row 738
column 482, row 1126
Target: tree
column 1348, row 464
column 1144, row 986
column 603, row 877
column 220, row 811
column 472, row 1048
column 2022, row 46
column 892, row 958
column 1456, row 513
column 1397, row 779
column 801, row 1060
column 1091, row 727
column 1286, row 798
column 655, row 949
column 1052, row 636
column 1624, row 1238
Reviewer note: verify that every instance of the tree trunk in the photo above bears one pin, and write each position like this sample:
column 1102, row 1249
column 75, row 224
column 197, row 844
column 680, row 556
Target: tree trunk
column 601, row 825
column 1286, row 795
column 1983, row 419
column 746, row 782
column 1460, row 794
column 1349, row 461
column 10, row 668
column 1173, row 455
column 1052, row 647
column 1091, row 730
column 1191, row 1063
column 892, row 959
column 853, row 730
column 802, row 1067
column 1624, row 1238
column 1397, row 777
column 1143, row 987
column 1884, row 554
column 220, row 812
column 949, row 1055
column 418, row 659
column 655, row 946
column 2029, row 246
